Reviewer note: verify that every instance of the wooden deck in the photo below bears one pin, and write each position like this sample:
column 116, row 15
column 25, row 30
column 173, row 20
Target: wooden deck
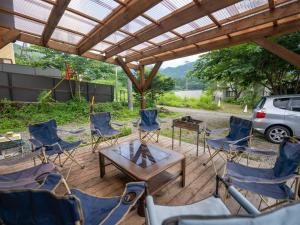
column 200, row 180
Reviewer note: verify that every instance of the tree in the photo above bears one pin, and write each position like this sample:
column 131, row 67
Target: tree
column 226, row 68
column 247, row 65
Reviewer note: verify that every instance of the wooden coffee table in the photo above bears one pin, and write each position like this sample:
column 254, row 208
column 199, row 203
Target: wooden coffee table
column 142, row 162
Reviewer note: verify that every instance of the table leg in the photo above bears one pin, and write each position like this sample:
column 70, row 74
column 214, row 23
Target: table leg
column 183, row 165
column 172, row 137
column 197, row 143
column 101, row 165
column 179, row 136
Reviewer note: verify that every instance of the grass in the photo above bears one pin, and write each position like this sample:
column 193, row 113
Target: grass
column 204, row 102
column 17, row 117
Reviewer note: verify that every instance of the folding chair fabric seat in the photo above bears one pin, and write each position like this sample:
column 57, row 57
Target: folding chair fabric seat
column 43, row 176
column 110, row 132
column 209, row 206
column 219, row 144
column 149, row 124
column 44, row 208
column 273, row 190
column 65, row 146
column 101, row 125
column 148, row 128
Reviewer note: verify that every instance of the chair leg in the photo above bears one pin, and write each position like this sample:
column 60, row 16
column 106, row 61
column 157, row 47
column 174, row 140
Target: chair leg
column 158, row 132
column 69, row 156
column 211, row 159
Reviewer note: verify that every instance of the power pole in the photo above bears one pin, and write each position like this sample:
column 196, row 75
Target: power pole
column 129, row 94
column 116, row 84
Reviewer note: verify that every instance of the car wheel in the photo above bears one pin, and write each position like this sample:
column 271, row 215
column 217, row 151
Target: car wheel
column 276, row 134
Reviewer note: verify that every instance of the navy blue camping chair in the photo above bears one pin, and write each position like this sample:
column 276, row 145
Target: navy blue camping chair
column 38, row 207
column 239, row 135
column 149, row 126
column 270, row 182
column 42, row 177
column 45, row 135
column 102, row 130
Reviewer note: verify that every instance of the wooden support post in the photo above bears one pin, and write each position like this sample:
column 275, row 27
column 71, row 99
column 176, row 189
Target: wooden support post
column 142, row 85
column 152, row 75
column 291, row 57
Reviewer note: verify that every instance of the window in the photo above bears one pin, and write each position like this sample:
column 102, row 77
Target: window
column 261, row 103
column 295, row 104
column 281, row 103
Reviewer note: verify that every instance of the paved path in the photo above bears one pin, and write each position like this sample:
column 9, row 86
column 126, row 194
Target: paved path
column 200, row 113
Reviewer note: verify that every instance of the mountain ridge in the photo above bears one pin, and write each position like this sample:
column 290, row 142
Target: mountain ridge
column 178, row 71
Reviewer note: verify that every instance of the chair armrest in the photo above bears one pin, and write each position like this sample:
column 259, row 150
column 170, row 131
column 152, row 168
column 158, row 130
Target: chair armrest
column 77, row 131
column 237, row 141
column 215, row 131
column 253, row 151
column 250, row 179
column 117, row 124
column 136, row 123
column 151, row 215
column 37, row 144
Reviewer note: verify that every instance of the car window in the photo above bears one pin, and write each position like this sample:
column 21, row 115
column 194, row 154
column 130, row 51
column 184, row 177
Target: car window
column 281, row 103
column 260, row 104
column 295, row 104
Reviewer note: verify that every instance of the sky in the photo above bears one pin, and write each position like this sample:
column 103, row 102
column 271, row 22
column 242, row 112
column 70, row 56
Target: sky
column 180, row 61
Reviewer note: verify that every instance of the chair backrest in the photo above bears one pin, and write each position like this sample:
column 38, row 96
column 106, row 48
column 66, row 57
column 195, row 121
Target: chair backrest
column 239, row 128
column 101, row 120
column 288, row 215
column 45, row 132
column 288, row 159
column 148, row 117
column 38, row 207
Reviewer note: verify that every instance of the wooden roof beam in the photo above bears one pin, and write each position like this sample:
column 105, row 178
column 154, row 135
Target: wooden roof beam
column 180, row 17
column 258, row 19
column 118, row 20
column 126, row 69
column 226, row 42
column 8, row 37
column 54, row 18
column 152, row 74
column 286, row 54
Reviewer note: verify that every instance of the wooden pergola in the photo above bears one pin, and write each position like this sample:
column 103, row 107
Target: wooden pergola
column 135, row 33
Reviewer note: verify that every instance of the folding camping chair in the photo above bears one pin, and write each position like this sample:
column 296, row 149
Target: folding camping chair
column 204, row 212
column 102, row 130
column 270, row 182
column 40, row 207
column 149, row 126
column 239, row 135
column 45, row 135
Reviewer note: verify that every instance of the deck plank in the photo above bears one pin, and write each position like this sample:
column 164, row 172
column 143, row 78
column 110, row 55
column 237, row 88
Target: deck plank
column 200, row 180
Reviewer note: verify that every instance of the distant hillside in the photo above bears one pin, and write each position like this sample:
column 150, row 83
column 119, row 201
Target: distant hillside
column 178, row 71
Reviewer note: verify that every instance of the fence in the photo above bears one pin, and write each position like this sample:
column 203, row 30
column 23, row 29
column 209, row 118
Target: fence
column 23, row 83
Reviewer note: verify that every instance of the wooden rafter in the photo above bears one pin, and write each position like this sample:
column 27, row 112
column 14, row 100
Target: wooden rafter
column 290, row 56
column 180, row 17
column 8, row 37
column 55, row 16
column 152, row 75
column 225, row 42
column 128, row 73
column 271, row 5
column 118, row 20
column 258, row 19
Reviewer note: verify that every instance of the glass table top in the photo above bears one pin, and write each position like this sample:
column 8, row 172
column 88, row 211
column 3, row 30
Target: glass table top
column 141, row 154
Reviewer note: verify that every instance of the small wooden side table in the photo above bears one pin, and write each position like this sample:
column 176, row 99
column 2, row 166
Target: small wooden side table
column 191, row 124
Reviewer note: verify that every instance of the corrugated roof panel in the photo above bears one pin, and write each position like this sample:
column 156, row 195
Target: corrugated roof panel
column 136, row 24
column 162, row 37
column 65, row 36
column 203, row 21
column 95, row 8
column 238, row 8
column 102, row 46
column 158, row 11
column 142, row 46
column 184, row 29
column 34, row 8
column 28, row 25
column 77, row 23
column 125, row 53
column 116, row 37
